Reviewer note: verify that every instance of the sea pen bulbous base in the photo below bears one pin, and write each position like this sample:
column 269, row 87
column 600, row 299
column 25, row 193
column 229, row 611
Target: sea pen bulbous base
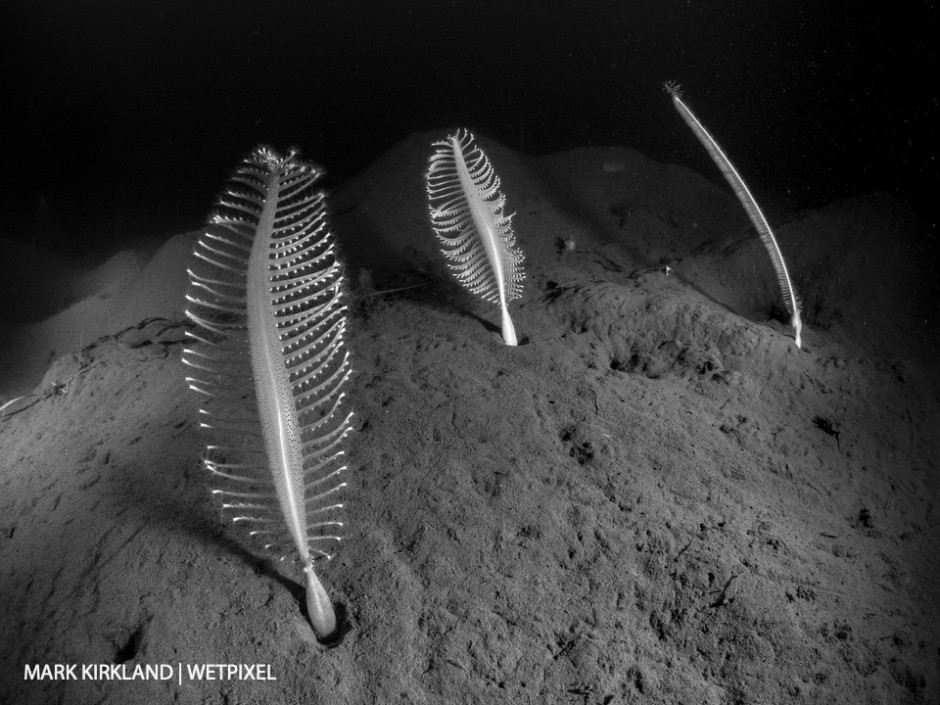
column 319, row 607
column 797, row 330
column 509, row 331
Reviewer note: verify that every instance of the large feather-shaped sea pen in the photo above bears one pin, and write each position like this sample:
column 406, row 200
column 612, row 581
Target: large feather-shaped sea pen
column 790, row 299
column 268, row 356
column 467, row 216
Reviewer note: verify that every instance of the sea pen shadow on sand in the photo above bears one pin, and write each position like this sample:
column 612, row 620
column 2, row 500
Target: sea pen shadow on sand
column 439, row 292
column 153, row 479
column 193, row 514
column 456, row 300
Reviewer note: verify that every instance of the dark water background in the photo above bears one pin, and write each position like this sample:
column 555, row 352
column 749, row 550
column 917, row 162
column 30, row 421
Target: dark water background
column 126, row 117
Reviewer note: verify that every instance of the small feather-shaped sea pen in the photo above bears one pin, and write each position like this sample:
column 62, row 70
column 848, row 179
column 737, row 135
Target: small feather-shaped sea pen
column 268, row 356
column 467, row 216
column 790, row 299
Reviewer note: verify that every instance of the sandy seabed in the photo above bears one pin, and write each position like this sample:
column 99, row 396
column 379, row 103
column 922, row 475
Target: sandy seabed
column 656, row 498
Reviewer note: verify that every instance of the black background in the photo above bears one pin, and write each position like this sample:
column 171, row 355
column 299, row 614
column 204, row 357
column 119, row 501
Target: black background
column 127, row 116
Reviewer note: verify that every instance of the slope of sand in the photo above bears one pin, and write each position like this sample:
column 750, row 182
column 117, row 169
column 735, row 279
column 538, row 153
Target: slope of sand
column 657, row 498
column 127, row 289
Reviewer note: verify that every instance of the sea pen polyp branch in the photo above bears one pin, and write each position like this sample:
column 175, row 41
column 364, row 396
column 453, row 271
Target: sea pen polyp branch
column 467, row 215
column 270, row 360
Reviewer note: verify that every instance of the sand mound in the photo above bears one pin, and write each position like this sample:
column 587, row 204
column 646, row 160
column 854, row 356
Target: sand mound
column 126, row 289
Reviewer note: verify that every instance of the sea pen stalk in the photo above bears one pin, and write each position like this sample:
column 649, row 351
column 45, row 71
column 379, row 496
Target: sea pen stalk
column 790, row 299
